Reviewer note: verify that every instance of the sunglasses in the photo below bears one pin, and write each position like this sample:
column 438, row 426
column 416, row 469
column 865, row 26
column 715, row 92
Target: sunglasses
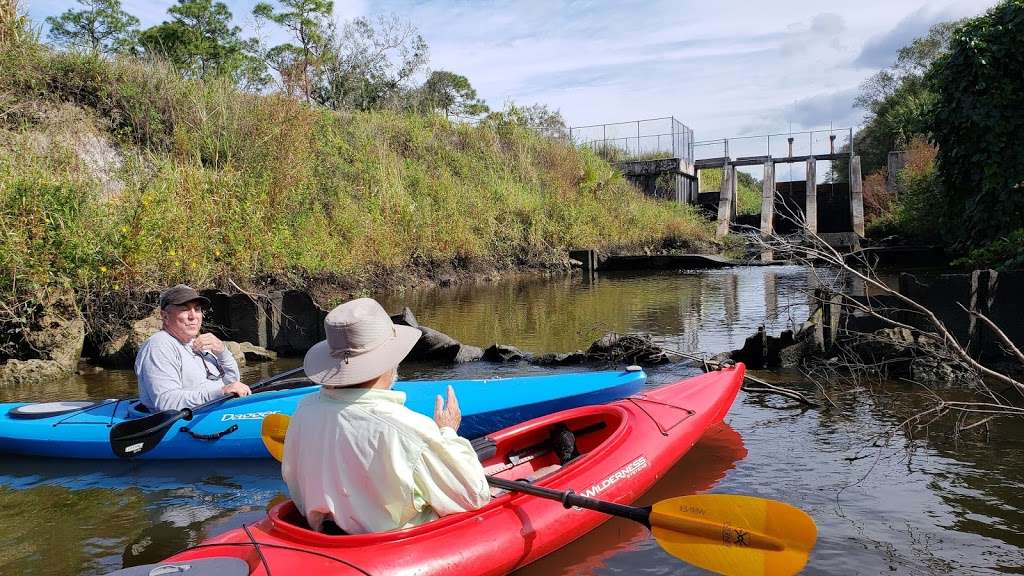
column 210, row 375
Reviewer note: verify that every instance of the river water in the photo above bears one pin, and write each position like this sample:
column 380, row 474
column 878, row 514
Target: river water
column 885, row 502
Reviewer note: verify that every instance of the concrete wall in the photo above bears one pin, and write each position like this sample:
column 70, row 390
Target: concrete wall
column 833, row 206
column 940, row 295
column 1007, row 305
column 997, row 295
column 285, row 321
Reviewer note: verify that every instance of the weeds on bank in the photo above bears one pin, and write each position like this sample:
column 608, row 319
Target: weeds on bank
column 213, row 183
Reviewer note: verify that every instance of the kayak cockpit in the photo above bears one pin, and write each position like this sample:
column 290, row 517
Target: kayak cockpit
column 540, row 451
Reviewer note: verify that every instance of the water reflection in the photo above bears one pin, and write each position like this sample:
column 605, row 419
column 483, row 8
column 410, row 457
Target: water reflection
column 706, row 311
column 926, row 504
column 72, row 517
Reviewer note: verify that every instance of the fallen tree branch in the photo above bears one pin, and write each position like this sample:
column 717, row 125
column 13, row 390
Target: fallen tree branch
column 763, row 387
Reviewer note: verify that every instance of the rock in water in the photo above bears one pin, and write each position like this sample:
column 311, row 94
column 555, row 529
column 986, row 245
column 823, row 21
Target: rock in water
column 503, row 353
column 54, row 335
column 120, row 351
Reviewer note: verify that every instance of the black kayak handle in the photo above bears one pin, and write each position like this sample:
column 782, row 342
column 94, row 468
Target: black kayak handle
column 213, row 436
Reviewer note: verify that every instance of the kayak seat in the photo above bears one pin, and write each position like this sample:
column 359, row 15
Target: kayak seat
column 295, row 518
column 563, row 442
column 332, row 529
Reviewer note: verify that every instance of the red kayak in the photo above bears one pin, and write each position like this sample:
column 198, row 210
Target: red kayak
column 624, row 448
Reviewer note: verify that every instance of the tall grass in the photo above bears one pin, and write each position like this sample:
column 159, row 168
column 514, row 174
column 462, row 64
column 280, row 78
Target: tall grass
column 216, row 183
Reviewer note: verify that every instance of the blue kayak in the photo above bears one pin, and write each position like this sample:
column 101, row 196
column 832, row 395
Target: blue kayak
column 232, row 429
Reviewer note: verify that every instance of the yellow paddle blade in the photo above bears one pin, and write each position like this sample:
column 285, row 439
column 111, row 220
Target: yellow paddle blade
column 736, row 535
column 273, row 431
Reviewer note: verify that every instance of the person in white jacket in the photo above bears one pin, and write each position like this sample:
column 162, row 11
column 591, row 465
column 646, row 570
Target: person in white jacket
column 354, row 454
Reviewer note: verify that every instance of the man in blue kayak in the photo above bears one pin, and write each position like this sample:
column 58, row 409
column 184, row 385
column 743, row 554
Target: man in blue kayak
column 354, row 454
column 180, row 368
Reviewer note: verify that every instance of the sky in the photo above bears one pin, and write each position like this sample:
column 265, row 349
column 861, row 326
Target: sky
column 725, row 68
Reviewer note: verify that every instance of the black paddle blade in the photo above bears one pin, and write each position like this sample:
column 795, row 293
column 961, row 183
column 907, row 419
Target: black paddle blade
column 140, row 435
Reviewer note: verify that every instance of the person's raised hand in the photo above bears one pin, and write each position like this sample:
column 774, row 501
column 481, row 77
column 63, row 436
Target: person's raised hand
column 236, row 388
column 207, row 343
column 447, row 414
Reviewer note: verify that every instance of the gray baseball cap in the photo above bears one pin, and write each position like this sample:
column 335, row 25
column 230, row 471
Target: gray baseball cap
column 181, row 294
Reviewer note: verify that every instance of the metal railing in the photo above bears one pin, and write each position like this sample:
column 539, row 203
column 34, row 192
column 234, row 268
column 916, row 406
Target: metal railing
column 783, row 145
column 650, row 139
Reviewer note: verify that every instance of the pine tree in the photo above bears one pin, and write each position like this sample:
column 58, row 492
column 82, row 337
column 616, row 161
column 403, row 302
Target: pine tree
column 102, row 28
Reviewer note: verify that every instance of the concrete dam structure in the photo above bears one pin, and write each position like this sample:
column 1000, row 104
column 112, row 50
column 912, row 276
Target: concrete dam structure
column 661, row 157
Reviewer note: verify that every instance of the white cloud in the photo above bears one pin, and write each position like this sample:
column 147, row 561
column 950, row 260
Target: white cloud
column 725, row 68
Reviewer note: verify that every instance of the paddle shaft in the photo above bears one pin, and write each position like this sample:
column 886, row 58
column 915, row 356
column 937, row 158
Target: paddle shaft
column 187, row 413
column 256, row 386
column 570, row 499
column 134, row 437
column 712, row 531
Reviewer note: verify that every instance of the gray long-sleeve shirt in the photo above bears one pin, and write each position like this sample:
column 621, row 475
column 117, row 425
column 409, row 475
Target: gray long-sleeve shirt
column 171, row 376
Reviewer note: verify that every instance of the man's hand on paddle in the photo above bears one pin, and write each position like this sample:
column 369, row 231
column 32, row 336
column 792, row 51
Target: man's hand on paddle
column 236, row 388
column 447, row 415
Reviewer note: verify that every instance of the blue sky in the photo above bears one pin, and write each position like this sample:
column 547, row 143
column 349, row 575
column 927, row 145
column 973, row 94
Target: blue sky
column 724, row 67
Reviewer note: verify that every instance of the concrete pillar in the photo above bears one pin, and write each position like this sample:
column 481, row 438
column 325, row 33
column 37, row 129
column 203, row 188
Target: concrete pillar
column 768, row 207
column 725, row 200
column 857, row 196
column 811, row 198
column 768, row 199
column 732, row 193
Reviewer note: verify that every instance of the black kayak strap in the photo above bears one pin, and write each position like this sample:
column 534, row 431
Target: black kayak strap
column 213, row 436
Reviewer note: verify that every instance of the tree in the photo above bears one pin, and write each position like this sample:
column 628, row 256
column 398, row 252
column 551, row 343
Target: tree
column 307, row 20
column 452, row 94
column 201, row 42
column 536, row 117
column 102, row 27
column 977, row 123
column 896, row 99
column 369, row 63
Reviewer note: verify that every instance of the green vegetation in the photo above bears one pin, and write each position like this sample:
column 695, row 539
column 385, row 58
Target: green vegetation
column 451, row 94
column 977, row 122
column 748, row 189
column 119, row 176
column 953, row 101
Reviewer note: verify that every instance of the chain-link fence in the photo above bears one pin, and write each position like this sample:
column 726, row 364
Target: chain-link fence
column 652, row 139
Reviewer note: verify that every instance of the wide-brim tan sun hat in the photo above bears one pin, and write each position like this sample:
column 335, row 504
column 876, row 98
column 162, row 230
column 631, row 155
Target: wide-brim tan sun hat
column 362, row 343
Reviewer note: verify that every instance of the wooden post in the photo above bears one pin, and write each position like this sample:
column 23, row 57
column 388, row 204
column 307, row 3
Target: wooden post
column 857, row 196
column 811, row 197
column 725, row 200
